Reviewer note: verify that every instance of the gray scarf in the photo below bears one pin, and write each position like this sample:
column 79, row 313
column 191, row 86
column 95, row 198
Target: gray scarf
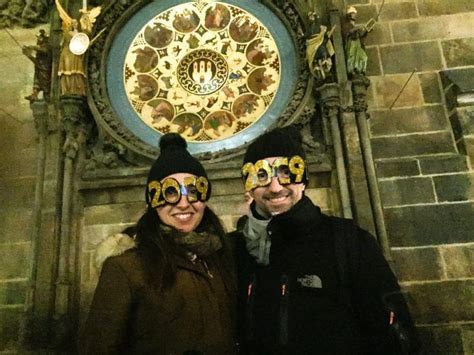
column 257, row 240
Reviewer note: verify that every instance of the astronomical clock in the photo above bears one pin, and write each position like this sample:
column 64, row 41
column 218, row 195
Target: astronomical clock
column 217, row 72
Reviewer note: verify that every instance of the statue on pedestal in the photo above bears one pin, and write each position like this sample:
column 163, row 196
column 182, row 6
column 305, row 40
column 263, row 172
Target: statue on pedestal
column 42, row 61
column 319, row 48
column 75, row 43
column 354, row 35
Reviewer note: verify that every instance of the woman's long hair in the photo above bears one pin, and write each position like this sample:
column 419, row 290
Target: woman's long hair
column 158, row 252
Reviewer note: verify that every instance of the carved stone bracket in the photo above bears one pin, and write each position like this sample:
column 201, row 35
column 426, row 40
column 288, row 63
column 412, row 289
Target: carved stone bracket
column 41, row 117
column 74, row 124
column 329, row 98
column 359, row 91
column 106, row 153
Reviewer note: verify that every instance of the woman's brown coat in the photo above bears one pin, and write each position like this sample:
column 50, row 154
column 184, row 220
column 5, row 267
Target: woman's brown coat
column 129, row 316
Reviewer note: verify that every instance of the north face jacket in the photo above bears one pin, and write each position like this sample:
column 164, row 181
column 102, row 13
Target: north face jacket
column 301, row 304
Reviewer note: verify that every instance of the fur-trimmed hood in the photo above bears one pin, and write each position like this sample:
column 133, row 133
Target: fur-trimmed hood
column 113, row 245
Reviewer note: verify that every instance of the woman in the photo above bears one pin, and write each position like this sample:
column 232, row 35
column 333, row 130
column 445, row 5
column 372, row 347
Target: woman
column 173, row 292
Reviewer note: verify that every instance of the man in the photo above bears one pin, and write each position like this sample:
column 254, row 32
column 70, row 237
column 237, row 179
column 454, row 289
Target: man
column 309, row 283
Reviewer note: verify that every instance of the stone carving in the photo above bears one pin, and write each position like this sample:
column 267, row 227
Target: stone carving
column 310, row 144
column 25, row 13
column 42, row 62
column 291, row 13
column 359, row 93
column 35, row 11
column 75, row 126
column 106, row 153
column 354, row 34
column 319, row 48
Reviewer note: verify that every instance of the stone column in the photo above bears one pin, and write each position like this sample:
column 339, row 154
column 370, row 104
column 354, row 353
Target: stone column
column 356, row 175
column 28, row 326
column 75, row 132
column 359, row 93
column 329, row 97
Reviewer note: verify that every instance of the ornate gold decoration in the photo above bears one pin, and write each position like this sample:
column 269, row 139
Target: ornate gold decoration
column 204, row 70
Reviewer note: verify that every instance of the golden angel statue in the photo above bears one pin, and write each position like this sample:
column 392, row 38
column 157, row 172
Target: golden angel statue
column 319, row 48
column 76, row 34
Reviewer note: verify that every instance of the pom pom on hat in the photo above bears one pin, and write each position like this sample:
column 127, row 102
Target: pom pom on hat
column 172, row 140
column 174, row 158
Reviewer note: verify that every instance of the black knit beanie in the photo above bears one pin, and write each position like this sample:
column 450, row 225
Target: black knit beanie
column 279, row 142
column 174, row 158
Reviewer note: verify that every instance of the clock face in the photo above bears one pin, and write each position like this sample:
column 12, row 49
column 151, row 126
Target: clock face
column 210, row 71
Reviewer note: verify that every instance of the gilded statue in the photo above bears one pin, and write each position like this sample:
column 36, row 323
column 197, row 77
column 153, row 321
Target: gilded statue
column 76, row 34
column 319, row 48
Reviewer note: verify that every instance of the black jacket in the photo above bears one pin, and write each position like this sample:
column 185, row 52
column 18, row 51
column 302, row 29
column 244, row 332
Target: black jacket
column 301, row 304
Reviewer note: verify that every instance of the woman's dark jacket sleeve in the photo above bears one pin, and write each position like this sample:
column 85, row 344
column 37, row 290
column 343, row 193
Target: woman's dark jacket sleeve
column 105, row 330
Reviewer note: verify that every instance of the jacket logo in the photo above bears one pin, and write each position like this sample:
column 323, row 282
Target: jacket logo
column 312, row 281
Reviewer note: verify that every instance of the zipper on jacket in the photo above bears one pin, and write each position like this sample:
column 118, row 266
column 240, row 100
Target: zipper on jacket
column 249, row 309
column 284, row 296
column 194, row 258
column 206, row 268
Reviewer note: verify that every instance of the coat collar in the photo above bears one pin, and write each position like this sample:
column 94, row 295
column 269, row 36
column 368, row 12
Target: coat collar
column 296, row 223
column 191, row 262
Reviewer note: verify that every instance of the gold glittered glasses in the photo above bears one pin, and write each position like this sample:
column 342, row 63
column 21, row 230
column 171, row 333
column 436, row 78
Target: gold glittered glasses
column 286, row 170
column 171, row 191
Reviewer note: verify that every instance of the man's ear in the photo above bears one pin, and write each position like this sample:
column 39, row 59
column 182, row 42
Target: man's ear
column 303, row 189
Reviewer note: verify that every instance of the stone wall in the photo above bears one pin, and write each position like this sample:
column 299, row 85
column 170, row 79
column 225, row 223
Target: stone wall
column 17, row 180
column 19, row 145
column 425, row 175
